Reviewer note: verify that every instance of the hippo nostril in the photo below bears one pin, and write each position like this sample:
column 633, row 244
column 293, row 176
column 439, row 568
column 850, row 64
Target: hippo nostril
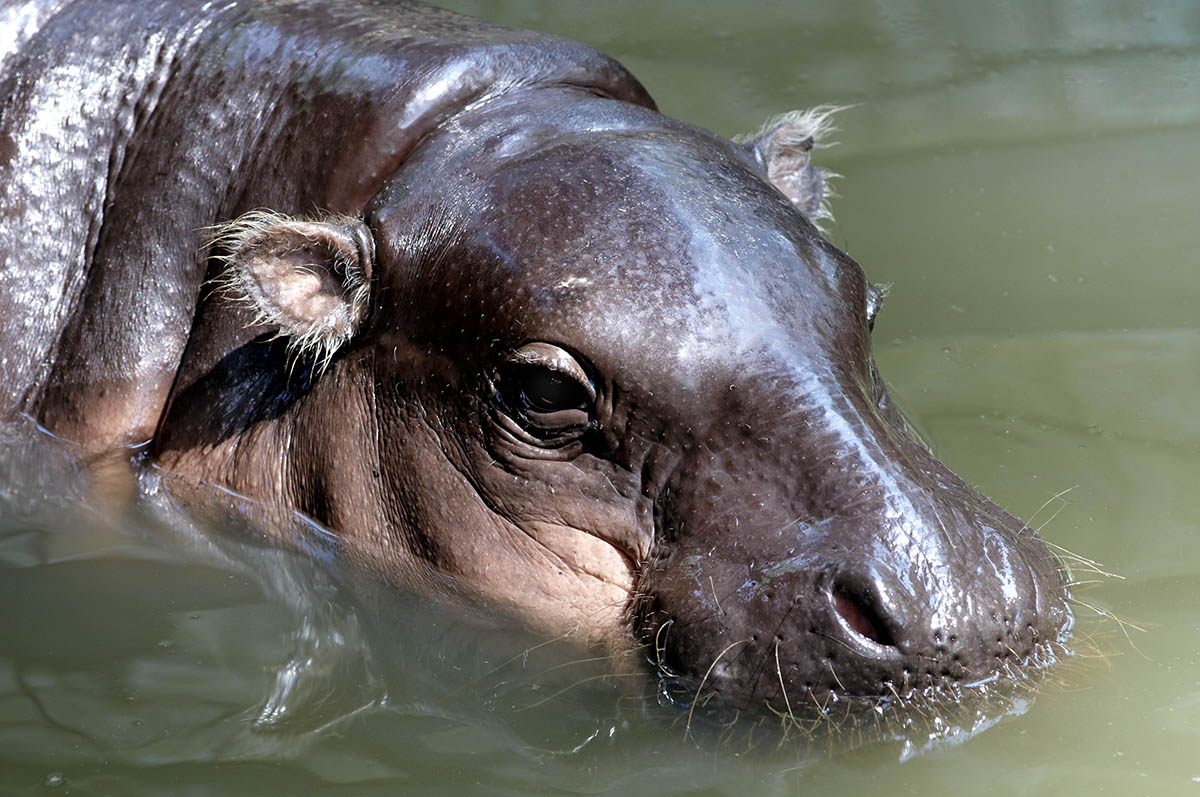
column 861, row 616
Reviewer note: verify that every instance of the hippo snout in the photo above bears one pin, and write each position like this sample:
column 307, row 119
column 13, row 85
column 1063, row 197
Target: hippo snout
column 884, row 606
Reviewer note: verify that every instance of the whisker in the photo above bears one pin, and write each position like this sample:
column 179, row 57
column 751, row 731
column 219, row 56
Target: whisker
column 687, row 729
column 1049, row 520
column 714, row 594
column 1089, row 564
column 1123, row 624
column 658, row 647
column 836, row 680
column 581, row 682
column 782, row 685
column 576, row 662
column 524, row 654
column 1050, row 500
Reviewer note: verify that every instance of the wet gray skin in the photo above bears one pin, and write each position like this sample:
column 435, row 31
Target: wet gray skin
column 561, row 358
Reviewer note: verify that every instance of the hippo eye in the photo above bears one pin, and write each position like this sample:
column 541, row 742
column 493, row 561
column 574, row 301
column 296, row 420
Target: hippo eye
column 545, row 390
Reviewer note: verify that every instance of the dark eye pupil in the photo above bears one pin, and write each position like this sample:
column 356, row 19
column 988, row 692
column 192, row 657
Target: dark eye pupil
column 543, row 390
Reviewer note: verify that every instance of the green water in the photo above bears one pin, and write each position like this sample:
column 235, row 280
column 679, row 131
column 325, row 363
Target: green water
column 1023, row 174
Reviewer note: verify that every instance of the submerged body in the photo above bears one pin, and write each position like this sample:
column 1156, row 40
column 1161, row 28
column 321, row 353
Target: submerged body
column 545, row 350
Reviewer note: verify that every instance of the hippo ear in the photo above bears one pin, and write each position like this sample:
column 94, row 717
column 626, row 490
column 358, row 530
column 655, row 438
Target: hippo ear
column 784, row 147
column 309, row 277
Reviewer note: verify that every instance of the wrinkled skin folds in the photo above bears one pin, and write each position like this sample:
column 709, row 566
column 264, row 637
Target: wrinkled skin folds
column 543, row 350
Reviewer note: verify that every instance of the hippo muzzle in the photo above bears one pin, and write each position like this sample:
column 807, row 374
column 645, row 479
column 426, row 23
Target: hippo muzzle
column 806, row 565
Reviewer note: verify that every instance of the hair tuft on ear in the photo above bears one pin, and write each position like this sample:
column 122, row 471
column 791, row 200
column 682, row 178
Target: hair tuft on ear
column 784, row 145
column 308, row 277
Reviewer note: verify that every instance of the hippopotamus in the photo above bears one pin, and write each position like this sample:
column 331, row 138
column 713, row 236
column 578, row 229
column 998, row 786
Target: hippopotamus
column 461, row 296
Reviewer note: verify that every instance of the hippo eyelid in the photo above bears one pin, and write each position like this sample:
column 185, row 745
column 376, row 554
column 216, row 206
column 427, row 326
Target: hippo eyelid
column 557, row 359
column 546, row 395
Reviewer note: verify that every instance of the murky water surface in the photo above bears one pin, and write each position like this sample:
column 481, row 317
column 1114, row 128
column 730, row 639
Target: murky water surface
column 1024, row 174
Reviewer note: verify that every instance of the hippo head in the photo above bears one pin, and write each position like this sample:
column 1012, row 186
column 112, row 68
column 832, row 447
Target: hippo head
column 586, row 365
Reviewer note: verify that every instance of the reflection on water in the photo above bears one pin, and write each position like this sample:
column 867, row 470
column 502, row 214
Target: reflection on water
column 1021, row 173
